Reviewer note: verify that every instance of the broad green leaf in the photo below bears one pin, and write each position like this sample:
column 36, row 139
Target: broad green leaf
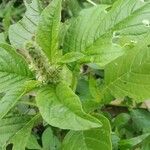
column 24, row 30
column 94, row 139
column 49, row 140
column 20, row 139
column 11, row 126
column 77, row 33
column 95, row 26
column 13, row 96
column 71, row 57
column 130, row 143
column 61, row 107
column 141, row 120
column 48, row 29
column 13, row 69
column 33, row 143
column 129, row 75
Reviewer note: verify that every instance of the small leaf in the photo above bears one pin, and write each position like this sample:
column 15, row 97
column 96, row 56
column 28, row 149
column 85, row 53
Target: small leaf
column 130, row 143
column 71, row 57
column 49, row 140
column 48, row 28
column 33, row 143
column 141, row 120
column 121, row 120
column 89, row 103
column 93, row 87
column 61, row 107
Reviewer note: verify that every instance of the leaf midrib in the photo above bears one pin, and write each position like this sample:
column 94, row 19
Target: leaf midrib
column 111, row 29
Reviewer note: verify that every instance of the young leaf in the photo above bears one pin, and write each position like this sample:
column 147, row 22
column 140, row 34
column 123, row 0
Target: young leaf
column 130, row 143
column 74, row 6
column 129, row 75
column 71, row 57
column 103, row 52
column 50, row 141
column 141, row 120
column 84, row 92
column 24, row 30
column 13, row 69
column 48, row 28
column 61, row 107
column 96, row 139
column 94, row 89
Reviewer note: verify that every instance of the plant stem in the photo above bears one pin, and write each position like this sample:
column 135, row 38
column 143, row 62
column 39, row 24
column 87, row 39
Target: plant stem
column 91, row 2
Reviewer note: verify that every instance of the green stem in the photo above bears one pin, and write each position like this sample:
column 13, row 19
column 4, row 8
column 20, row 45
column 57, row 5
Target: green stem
column 91, row 2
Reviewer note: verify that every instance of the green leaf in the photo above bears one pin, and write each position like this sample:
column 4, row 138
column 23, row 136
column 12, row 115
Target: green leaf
column 95, row 139
column 66, row 75
column 24, row 30
column 2, row 38
column 71, row 57
column 13, row 69
column 94, row 90
column 121, row 120
column 146, row 144
column 61, row 107
column 20, row 139
column 141, row 119
column 130, row 143
column 33, row 143
column 95, row 26
column 80, row 27
column 107, row 1
column 74, row 6
column 89, row 103
column 129, row 75
column 115, row 141
column 50, row 141
column 103, row 52
column 13, row 96
column 48, row 29
column 12, row 127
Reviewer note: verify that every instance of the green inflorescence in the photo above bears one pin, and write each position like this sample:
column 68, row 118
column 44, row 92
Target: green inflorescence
column 45, row 71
